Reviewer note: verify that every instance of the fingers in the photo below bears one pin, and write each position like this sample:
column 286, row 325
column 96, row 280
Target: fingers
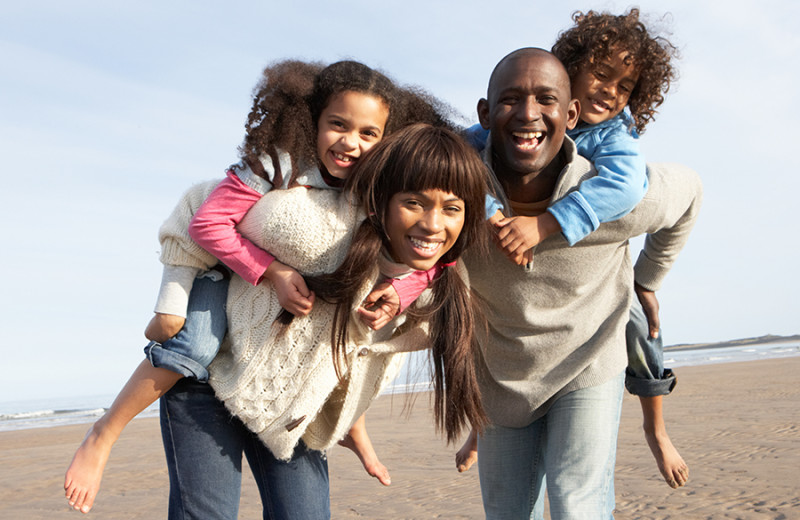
column 298, row 304
column 300, row 285
column 374, row 319
column 527, row 256
column 653, row 323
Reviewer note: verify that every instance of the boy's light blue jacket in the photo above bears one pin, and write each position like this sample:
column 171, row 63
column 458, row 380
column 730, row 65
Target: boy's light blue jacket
column 621, row 179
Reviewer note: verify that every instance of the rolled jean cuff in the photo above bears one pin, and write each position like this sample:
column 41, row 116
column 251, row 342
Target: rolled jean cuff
column 162, row 358
column 650, row 387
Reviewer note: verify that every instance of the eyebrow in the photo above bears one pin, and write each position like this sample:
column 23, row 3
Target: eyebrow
column 339, row 116
column 454, row 198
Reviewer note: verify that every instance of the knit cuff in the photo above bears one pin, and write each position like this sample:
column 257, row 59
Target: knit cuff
column 186, row 253
column 648, row 273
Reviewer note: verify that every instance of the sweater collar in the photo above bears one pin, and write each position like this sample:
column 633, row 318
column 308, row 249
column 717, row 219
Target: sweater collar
column 565, row 178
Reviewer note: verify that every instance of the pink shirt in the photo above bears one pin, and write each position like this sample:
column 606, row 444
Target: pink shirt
column 214, row 229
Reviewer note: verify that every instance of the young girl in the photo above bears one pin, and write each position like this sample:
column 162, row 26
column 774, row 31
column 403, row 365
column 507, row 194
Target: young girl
column 420, row 199
column 619, row 74
column 308, row 126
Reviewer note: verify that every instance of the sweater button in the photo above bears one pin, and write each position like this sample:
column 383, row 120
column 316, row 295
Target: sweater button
column 363, row 352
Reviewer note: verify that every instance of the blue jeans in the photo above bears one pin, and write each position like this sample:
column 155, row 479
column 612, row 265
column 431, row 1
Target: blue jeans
column 204, row 446
column 192, row 349
column 574, row 444
column 645, row 375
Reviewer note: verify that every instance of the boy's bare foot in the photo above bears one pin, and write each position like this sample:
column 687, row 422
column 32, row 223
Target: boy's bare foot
column 82, row 481
column 359, row 443
column 670, row 463
column 468, row 454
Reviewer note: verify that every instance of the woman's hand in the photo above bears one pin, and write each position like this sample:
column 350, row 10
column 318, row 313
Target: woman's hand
column 380, row 306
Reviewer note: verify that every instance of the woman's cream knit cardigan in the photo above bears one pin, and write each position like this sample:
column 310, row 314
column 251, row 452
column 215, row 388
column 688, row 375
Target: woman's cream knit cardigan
column 282, row 384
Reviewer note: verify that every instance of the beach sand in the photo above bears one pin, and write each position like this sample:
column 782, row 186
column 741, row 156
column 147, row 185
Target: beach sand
column 736, row 425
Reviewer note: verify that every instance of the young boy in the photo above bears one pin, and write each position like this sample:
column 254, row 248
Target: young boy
column 614, row 64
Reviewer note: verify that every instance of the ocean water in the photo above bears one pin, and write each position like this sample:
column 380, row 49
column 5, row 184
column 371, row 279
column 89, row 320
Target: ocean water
column 24, row 414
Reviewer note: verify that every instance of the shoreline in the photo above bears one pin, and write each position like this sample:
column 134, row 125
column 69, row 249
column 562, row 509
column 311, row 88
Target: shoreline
column 43, row 413
column 737, row 425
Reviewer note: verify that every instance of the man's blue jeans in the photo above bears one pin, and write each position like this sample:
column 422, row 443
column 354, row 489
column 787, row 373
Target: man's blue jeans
column 645, row 375
column 204, row 446
column 574, row 444
column 192, row 349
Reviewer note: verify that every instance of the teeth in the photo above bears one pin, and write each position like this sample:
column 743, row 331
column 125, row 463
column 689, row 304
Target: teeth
column 341, row 157
column 528, row 135
column 428, row 246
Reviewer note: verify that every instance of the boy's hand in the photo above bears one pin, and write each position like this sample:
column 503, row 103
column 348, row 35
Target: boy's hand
column 293, row 294
column 380, row 306
column 494, row 222
column 650, row 306
column 523, row 259
column 163, row 326
column 517, row 235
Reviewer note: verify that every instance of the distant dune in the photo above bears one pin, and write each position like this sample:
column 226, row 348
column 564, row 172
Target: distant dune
column 761, row 340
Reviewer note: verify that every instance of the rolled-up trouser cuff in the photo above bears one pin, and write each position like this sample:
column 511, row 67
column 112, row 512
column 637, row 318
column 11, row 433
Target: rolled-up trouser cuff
column 650, row 387
column 162, row 358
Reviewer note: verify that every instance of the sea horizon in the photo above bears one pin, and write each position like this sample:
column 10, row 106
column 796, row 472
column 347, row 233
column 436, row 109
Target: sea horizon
column 24, row 414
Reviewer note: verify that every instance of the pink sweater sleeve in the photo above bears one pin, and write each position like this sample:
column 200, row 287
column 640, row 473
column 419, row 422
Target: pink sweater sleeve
column 410, row 287
column 214, row 229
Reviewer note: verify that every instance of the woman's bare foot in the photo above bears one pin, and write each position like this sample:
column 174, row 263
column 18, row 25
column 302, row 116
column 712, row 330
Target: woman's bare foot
column 670, row 463
column 82, row 481
column 468, row 454
column 359, row 443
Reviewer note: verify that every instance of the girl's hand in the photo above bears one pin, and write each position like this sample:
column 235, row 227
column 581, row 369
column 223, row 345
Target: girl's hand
column 163, row 326
column 293, row 294
column 380, row 306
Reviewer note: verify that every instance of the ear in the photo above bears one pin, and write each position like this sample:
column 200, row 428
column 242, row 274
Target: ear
column 573, row 113
column 483, row 113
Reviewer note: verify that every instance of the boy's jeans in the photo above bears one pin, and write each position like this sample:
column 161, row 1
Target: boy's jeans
column 645, row 375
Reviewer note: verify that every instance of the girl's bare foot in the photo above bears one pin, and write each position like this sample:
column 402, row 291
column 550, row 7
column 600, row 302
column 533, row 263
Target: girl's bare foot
column 359, row 443
column 468, row 454
column 82, row 481
column 670, row 463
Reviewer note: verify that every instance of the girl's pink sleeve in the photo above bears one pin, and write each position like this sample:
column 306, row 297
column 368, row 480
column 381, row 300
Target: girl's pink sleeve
column 214, row 229
column 410, row 287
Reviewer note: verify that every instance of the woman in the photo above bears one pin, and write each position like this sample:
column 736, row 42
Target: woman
column 298, row 388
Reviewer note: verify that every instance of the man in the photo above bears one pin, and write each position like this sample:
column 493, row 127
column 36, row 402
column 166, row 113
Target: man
column 552, row 368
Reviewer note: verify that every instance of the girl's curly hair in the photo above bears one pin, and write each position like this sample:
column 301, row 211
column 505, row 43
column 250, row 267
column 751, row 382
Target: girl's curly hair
column 592, row 40
column 291, row 96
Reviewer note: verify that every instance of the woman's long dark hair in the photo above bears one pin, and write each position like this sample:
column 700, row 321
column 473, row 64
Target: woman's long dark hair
column 417, row 158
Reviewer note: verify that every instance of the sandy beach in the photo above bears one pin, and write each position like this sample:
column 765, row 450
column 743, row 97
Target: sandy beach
column 737, row 425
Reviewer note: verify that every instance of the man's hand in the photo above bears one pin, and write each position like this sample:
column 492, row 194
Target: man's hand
column 163, row 326
column 650, row 306
column 380, row 306
column 293, row 294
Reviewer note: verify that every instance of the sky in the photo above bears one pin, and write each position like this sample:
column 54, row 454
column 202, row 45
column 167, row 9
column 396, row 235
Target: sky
column 110, row 110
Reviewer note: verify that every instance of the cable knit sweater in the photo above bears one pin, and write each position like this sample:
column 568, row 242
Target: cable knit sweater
column 282, row 384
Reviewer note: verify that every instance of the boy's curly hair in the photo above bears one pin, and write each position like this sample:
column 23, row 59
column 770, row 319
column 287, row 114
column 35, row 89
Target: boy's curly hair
column 291, row 96
column 595, row 35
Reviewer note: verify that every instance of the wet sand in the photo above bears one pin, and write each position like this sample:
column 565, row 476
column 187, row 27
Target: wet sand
column 736, row 425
